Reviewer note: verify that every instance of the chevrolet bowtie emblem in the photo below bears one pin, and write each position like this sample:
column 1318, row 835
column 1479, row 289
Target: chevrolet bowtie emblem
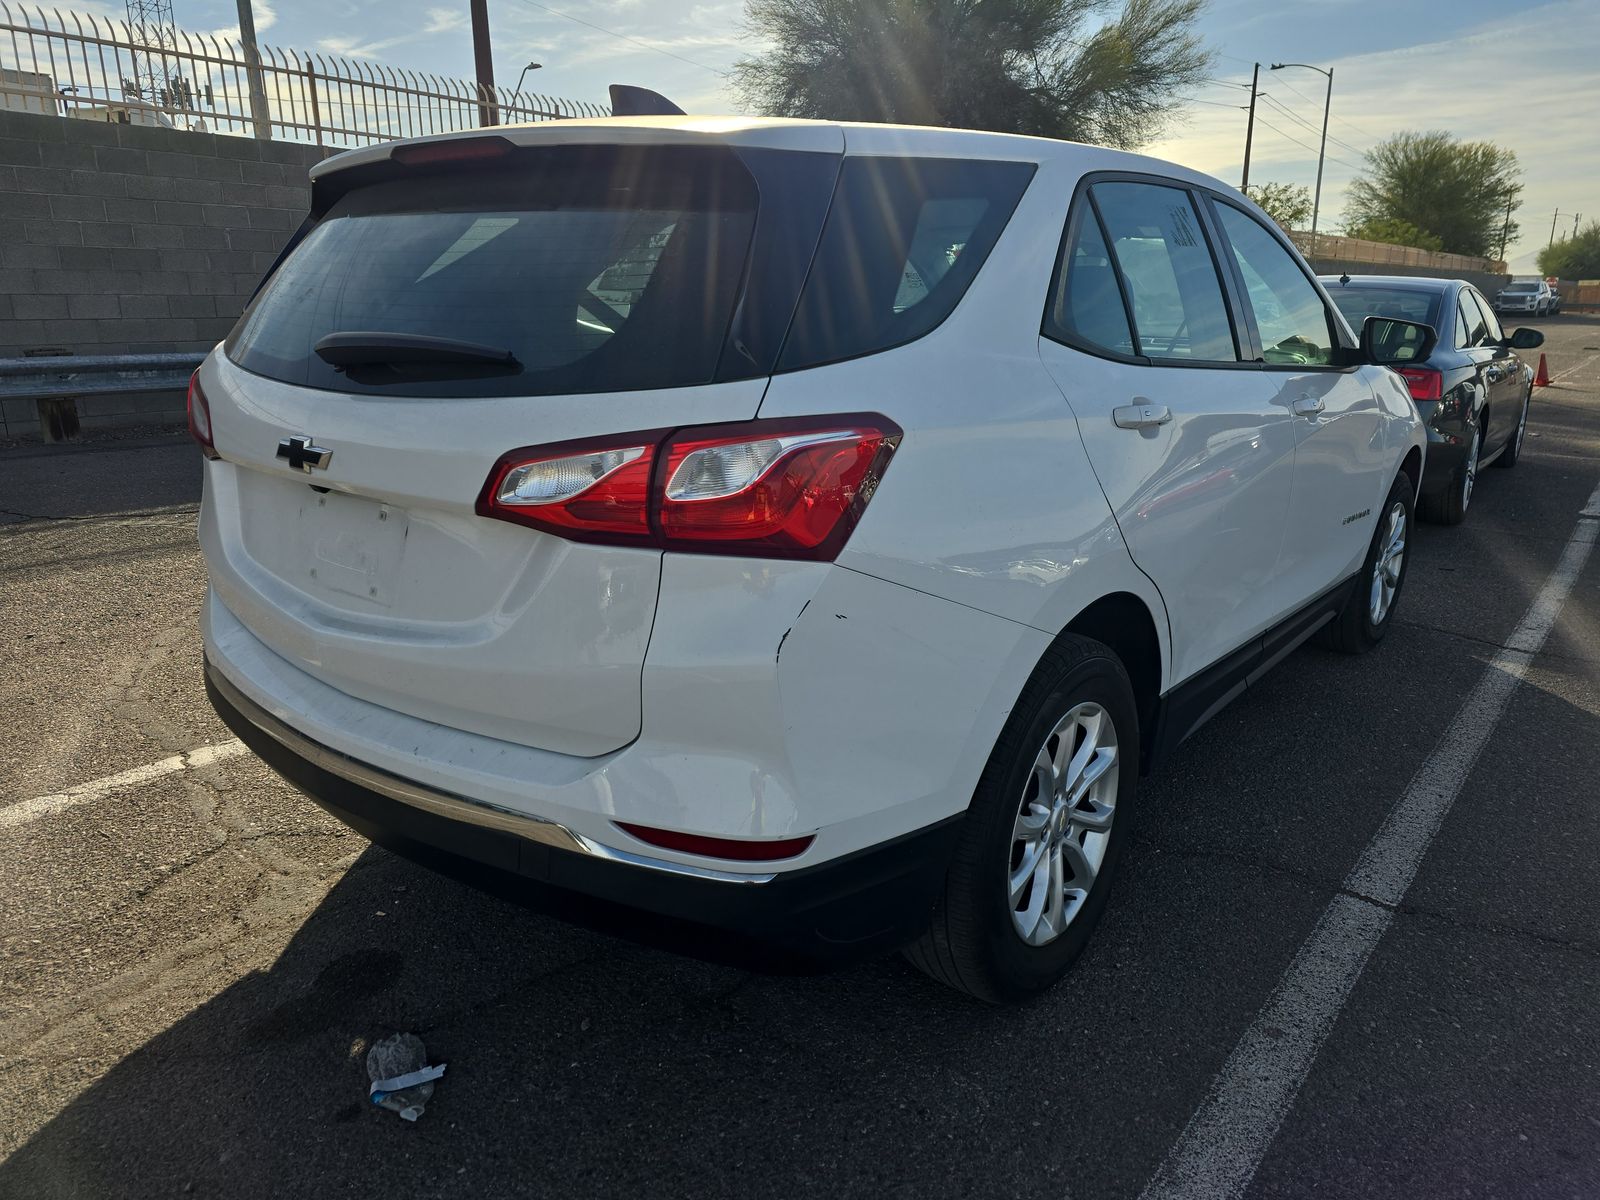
column 301, row 454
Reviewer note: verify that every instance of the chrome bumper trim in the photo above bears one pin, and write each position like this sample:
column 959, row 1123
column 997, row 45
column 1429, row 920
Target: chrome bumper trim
column 448, row 804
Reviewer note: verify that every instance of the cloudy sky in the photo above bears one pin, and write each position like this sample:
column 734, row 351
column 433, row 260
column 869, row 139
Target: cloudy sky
column 1522, row 74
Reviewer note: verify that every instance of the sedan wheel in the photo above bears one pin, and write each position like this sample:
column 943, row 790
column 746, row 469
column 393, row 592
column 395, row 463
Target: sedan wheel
column 1513, row 451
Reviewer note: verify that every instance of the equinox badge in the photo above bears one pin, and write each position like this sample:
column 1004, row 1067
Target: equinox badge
column 302, row 454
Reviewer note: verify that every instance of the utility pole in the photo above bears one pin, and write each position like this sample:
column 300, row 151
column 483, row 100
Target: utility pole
column 1250, row 128
column 1552, row 240
column 483, row 60
column 1505, row 230
column 1575, row 217
column 260, row 114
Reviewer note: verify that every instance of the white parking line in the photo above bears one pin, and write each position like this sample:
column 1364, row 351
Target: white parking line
column 1219, row 1150
column 24, row 811
column 1574, row 370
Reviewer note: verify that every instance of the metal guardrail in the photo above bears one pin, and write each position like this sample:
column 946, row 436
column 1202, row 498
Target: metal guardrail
column 75, row 376
column 97, row 68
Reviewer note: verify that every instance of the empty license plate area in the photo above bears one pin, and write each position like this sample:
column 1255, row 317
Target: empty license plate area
column 350, row 546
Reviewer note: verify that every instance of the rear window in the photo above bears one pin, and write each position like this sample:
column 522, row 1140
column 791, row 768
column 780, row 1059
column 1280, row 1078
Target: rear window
column 597, row 268
column 904, row 239
column 1405, row 304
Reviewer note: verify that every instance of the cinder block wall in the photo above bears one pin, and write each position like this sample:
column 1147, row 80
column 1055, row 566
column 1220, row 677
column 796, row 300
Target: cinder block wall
column 131, row 239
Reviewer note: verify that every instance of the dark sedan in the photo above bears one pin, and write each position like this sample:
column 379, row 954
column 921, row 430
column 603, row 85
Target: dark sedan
column 1472, row 390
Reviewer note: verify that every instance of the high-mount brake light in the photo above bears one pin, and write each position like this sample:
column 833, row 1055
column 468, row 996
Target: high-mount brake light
column 1425, row 382
column 200, row 418
column 469, row 149
column 766, row 489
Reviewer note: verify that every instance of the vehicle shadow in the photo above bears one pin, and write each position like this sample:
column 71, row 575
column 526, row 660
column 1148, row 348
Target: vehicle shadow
column 575, row 1058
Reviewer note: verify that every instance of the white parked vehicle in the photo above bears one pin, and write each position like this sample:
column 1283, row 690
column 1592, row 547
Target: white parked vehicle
column 806, row 530
column 1526, row 296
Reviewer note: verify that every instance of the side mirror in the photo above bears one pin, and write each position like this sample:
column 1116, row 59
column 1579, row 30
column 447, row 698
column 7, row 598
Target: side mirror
column 1524, row 339
column 1389, row 341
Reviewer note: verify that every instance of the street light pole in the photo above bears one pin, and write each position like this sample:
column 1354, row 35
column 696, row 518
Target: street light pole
column 533, row 66
column 1322, row 152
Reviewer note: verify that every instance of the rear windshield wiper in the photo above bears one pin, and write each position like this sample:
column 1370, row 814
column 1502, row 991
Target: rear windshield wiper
column 366, row 349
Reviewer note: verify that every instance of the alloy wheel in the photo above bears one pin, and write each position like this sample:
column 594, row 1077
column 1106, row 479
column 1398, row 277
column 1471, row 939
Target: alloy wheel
column 1522, row 422
column 1063, row 824
column 1469, row 473
column 1391, row 559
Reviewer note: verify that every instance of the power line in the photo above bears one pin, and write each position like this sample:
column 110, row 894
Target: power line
column 1294, row 116
column 1302, row 145
column 1341, row 120
column 626, row 38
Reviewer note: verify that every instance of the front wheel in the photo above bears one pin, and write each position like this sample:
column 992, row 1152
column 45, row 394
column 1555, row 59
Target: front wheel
column 1513, row 451
column 1369, row 609
column 1048, row 821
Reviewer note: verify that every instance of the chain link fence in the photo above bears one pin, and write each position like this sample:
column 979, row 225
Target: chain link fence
column 82, row 66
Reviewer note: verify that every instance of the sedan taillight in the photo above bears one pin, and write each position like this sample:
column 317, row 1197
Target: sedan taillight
column 1425, row 383
column 769, row 489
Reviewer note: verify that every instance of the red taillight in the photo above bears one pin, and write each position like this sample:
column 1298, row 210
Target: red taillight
column 769, row 489
column 586, row 491
column 200, row 417
column 715, row 847
column 470, row 149
column 1425, row 383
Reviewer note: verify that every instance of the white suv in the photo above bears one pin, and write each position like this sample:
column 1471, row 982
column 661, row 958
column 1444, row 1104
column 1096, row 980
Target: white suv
column 809, row 531
column 1530, row 296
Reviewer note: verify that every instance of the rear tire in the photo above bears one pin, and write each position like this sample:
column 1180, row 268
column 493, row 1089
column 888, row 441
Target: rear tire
column 1451, row 507
column 1368, row 611
column 1077, row 711
column 1513, row 451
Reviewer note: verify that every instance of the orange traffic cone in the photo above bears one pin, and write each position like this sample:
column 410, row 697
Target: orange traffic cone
column 1542, row 379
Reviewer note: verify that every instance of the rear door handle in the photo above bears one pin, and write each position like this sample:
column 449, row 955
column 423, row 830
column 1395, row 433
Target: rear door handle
column 1307, row 406
column 1141, row 416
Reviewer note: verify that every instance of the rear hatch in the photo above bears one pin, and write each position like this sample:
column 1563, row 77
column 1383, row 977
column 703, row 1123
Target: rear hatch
column 573, row 291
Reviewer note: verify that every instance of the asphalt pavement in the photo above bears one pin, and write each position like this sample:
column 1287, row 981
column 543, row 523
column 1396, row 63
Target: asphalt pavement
column 194, row 959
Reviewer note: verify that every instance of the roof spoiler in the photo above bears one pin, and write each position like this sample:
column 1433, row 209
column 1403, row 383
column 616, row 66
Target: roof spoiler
column 630, row 101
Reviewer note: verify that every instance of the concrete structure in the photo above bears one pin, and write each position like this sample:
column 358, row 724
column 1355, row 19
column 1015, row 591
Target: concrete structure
column 130, row 239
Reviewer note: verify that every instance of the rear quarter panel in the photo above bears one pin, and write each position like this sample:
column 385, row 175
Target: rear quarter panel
column 990, row 500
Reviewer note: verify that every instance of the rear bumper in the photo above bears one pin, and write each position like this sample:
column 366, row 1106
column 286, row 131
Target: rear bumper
column 844, row 909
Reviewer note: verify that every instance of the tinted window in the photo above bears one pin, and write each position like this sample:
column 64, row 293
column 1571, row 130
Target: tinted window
column 1472, row 315
column 1358, row 302
column 1168, row 272
column 1088, row 304
column 1463, row 334
column 904, row 239
column 600, row 269
column 1290, row 316
column 1491, row 323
